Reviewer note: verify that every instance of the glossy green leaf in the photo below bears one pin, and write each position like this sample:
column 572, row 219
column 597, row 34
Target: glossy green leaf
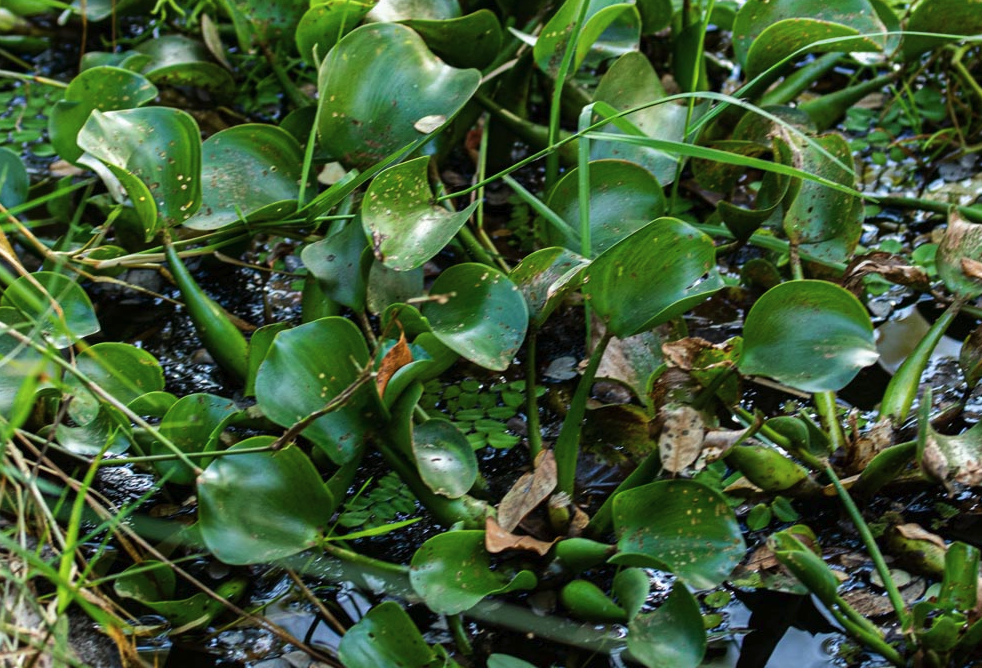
column 14, row 182
column 587, row 601
column 807, row 566
column 24, row 371
column 466, row 41
column 824, row 222
column 483, row 318
column 579, row 554
column 656, row 274
column 387, row 286
column 401, row 10
column 56, row 304
column 946, row 17
column 325, row 23
column 545, row 277
column 103, row 88
column 265, row 22
column 444, row 458
column 176, row 60
column 811, row 335
column 120, row 369
column 309, row 366
column 631, row 588
column 194, row 424
column 338, row 263
column 452, row 572
column 631, row 82
column 107, row 431
column 250, row 172
column 681, row 526
column 624, row 197
column 258, row 507
column 765, row 32
column 406, row 227
column 610, row 28
column 672, row 636
column 386, row 637
column 376, row 86
column 155, row 154
column 959, row 590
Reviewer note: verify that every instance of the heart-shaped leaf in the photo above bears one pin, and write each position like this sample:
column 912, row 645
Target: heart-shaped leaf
column 262, row 506
column 155, row 154
column 176, row 60
column 193, row 424
column 250, row 172
column 681, row 526
column 452, row 572
column 25, row 371
column 306, row 368
column 384, row 638
column 945, row 17
column 338, row 263
column 14, row 182
column 103, row 88
column 481, row 315
column 624, row 197
column 610, row 27
column 376, row 84
column 673, row 636
column 444, row 458
column 56, row 304
column 325, row 23
column 652, row 276
column 811, row 335
column 466, row 41
column 399, row 215
column 124, row 371
column 545, row 277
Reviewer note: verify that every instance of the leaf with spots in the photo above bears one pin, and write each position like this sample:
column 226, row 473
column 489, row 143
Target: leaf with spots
column 249, row 173
column 452, row 572
column 811, row 335
column 651, row 276
column 375, row 84
column 444, row 458
column 153, row 156
column 681, row 526
column 399, row 215
column 673, row 636
column 384, row 638
column 306, row 368
column 482, row 315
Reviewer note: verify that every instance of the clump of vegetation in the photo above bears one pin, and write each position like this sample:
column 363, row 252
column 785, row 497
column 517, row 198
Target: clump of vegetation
column 352, row 143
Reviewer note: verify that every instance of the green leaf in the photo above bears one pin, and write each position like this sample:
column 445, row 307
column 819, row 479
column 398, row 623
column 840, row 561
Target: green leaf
column 259, row 507
column 946, row 17
column 586, row 600
column 672, row 636
column 961, row 577
column 506, row 661
column 624, row 197
column 807, row 566
column 444, row 458
column 324, row 24
column 103, row 88
column 483, row 318
column 545, row 277
column 452, row 572
column 610, row 28
column 386, row 637
column 466, row 41
column 251, row 172
column 54, row 303
column 376, row 85
column 338, row 263
column 681, row 526
column 811, row 335
column 155, row 155
column 120, row 369
column 652, row 276
column 14, row 181
column 399, row 215
column 960, row 250
column 308, row 367
column 176, row 60
column 631, row 588
column 194, row 424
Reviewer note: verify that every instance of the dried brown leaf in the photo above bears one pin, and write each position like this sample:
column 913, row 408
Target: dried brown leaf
column 913, row 531
column 529, row 491
column 893, row 268
column 398, row 356
column 683, row 352
column 681, row 437
column 497, row 540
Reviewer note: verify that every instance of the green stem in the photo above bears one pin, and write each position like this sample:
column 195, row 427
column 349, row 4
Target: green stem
column 968, row 213
column 825, row 403
column 902, row 389
column 871, row 547
column 568, row 444
column 533, row 425
column 555, row 106
column 871, row 640
column 795, row 84
column 829, row 108
column 338, row 552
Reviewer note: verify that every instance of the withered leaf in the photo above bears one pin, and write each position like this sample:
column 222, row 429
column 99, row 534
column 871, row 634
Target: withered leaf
column 683, row 352
column 497, row 540
column 893, row 268
column 398, row 356
column 681, row 437
column 529, row 491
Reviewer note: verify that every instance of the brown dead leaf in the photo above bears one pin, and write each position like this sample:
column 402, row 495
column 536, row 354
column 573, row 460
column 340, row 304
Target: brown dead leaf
column 718, row 442
column 892, row 267
column 913, row 531
column 972, row 268
column 497, row 540
column 681, row 437
column 398, row 356
column 683, row 353
column 529, row 491
column 863, row 449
